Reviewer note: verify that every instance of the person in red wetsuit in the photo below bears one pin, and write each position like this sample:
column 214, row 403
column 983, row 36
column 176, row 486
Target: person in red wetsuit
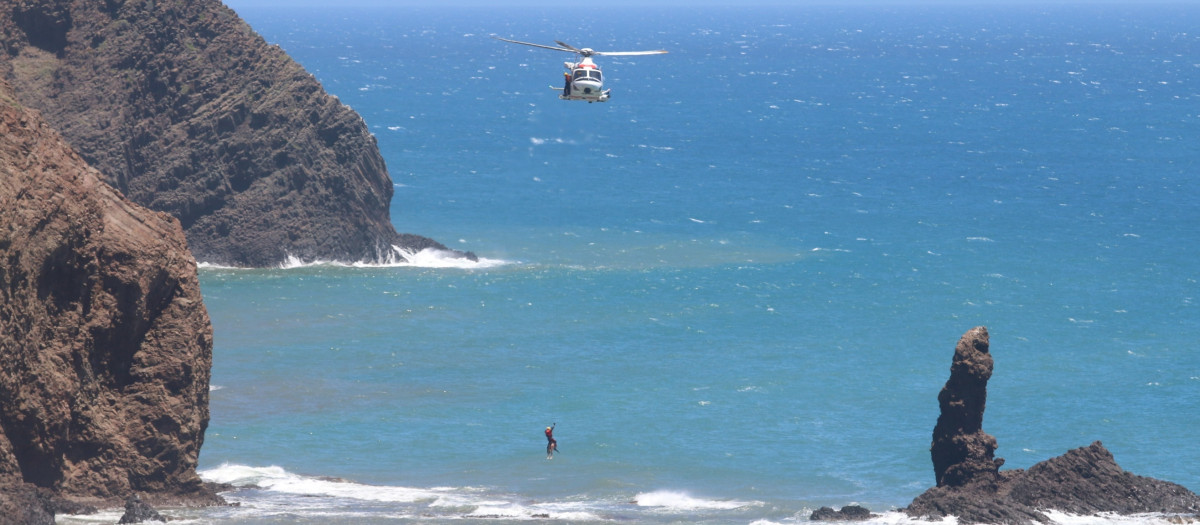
column 551, row 444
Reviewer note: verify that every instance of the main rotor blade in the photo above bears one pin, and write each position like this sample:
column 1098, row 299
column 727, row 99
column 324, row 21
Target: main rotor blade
column 571, row 50
column 568, row 46
column 629, row 53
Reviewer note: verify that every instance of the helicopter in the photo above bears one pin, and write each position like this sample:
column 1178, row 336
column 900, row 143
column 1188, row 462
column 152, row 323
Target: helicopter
column 583, row 81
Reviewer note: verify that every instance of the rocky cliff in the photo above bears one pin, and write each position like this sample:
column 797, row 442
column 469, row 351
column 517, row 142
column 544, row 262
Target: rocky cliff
column 1084, row 481
column 105, row 343
column 186, row 110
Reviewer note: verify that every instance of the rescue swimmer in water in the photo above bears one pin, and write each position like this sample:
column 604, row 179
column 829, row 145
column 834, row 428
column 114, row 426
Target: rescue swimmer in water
column 551, row 444
column 583, row 81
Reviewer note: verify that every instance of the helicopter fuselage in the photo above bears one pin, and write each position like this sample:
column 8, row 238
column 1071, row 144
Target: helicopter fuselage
column 584, row 82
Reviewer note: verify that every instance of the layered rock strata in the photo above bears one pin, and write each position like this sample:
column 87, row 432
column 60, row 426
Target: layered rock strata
column 970, row 485
column 186, row 110
column 105, row 343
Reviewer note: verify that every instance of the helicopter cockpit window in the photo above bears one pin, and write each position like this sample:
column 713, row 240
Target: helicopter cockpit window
column 587, row 74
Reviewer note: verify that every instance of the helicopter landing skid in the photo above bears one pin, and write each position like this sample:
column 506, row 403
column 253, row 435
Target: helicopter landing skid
column 602, row 97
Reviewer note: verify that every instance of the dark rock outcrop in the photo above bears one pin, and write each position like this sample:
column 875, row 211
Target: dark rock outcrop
column 27, row 504
column 1084, row 481
column 961, row 450
column 105, row 343
column 24, row 504
column 138, row 511
column 848, row 513
column 1088, row 481
column 186, row 110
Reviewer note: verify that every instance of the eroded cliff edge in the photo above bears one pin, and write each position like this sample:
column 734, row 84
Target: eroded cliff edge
column 186, row 110
column 970, row 485
column 105, row 342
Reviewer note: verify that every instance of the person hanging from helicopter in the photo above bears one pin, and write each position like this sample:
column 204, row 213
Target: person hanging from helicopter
column 567, row 87
column 551, row 443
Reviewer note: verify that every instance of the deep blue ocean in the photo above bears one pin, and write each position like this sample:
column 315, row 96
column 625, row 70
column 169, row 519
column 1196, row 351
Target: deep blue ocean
column 736, row 287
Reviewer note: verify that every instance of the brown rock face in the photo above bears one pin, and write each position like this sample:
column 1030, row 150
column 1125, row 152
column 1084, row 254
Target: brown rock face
column 105, row 343
column 186, row 110
column 1087, row 481
column 962, row 452
column 970, row 486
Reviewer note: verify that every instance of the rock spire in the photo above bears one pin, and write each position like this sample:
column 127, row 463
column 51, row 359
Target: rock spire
column 962, row 452
column 970, row 485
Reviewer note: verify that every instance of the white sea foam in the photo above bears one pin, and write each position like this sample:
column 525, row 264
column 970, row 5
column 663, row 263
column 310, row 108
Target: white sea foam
column 400, row 257
column 431, row 258
column 107, row 516
column 539, row 141
column 1063, row 518
column 394, row 258
column 677, row 500
column 900, row 518
column 288, row 494
column 211, row 266
column 512, row 511
column 1060, row 518
column 277, row 479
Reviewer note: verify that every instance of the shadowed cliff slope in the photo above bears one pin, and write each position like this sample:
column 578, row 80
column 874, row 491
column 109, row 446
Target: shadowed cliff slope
column 105, row 343
column 186, row 110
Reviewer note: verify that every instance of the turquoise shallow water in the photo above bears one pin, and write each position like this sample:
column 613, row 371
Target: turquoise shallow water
column 736, row 287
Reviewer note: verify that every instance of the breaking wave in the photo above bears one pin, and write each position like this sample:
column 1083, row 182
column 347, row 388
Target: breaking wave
column 676, row 500
column 399, row 257
column 395, row 257
column 272, row 493
column 275, row 492
column 276, row 479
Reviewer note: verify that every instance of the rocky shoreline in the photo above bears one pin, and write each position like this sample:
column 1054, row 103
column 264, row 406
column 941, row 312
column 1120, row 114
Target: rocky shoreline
column 126, row 125
column 107, row 346
column 186, row 110
column 138, row 136
column 970, row 485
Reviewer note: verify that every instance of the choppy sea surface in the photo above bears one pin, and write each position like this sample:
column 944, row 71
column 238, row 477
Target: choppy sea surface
column 736, row 287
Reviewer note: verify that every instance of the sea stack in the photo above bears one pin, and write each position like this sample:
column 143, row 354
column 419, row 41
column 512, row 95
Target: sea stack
column 962, row 452
column 186, row 110
column 1084, row 481
column 105, row 342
